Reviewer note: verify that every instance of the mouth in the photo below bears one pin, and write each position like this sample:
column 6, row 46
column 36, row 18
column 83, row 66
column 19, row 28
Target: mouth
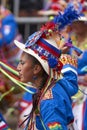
column 20, row 76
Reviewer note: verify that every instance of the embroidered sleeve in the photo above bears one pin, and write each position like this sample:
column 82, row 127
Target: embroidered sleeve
column 69, row 63
column 67, row 59
column 69, row 72
column 53, row 110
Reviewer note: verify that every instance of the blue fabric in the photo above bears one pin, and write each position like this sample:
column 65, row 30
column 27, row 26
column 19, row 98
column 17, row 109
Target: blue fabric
column 82, row 70
column 59, row 108
column 85, row 117
column 82, row 64
column 79, row 6
column 69, row 81
column 27, row 96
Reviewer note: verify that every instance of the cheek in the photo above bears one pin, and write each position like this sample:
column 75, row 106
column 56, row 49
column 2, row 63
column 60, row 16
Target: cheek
column 27, row 74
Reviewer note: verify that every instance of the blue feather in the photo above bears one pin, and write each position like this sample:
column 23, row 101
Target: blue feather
column 69, row 15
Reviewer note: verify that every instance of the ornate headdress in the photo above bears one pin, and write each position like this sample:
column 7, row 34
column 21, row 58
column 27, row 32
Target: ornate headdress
column 42, row 45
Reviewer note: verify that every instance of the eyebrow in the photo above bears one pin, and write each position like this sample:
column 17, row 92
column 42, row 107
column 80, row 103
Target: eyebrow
column 20, row 60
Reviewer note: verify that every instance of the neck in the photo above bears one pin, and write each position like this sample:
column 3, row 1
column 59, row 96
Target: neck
column 40, row 81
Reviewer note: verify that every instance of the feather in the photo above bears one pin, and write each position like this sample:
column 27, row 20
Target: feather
column 69, row 15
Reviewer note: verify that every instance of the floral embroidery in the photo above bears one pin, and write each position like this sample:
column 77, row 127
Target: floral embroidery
column 48, row 95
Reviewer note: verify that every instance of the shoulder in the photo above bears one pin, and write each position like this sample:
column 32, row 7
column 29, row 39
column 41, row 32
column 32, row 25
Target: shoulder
column 59, row 91
column 56, row 93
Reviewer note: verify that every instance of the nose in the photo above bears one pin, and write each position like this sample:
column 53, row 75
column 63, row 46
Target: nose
column 19, row 67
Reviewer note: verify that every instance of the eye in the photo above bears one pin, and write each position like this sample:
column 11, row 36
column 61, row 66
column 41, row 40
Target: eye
column 21, row 62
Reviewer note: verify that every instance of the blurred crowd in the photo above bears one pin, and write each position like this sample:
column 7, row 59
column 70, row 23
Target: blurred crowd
column 12, row 96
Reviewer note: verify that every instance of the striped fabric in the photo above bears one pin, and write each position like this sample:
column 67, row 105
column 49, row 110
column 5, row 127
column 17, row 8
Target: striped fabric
column 55, row 126
column 3, row 124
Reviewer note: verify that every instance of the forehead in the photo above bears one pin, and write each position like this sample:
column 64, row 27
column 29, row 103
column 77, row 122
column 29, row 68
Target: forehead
column 79, row 23
column 25, row 56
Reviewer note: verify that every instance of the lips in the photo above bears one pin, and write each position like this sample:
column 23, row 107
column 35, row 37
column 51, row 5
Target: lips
column 20, row 76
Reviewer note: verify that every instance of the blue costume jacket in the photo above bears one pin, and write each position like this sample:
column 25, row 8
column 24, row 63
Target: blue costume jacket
column 56, row 104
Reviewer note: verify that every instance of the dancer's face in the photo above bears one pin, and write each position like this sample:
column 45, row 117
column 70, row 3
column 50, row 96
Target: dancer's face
column 29, row 68
column 79, row 27
column 25, row 68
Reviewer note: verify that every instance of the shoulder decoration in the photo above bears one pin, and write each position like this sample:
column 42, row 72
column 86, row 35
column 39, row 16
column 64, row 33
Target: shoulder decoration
column 67, row 59
column 48, row 95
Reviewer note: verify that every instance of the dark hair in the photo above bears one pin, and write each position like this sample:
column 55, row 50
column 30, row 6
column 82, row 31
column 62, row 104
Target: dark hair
column 43, row 74
column 37, row 95
column 40, row 92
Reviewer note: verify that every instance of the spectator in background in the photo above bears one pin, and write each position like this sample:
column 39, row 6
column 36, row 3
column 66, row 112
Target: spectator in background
column 9, row 32
column 52, row 7
column 79, row 36
column 9, row 54
column 79, row 31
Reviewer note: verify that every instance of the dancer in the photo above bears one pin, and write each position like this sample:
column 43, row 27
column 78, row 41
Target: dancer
column 41, row 64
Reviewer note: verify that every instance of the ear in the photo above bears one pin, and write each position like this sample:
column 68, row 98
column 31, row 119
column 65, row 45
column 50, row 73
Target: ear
column 37, row 69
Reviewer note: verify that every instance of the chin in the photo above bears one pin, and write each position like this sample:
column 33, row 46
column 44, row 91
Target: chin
column 22, row 80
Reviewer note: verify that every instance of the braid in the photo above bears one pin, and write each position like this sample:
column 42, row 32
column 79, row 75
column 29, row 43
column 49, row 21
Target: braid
column 36, row 97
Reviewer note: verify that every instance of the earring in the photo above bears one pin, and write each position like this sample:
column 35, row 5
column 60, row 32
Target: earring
column 34, row 77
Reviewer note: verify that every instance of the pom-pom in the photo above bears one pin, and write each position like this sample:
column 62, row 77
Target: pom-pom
column 52, row 62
